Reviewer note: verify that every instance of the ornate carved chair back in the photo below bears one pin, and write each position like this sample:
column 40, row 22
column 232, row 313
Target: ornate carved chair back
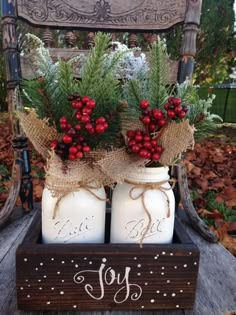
column 111, row 15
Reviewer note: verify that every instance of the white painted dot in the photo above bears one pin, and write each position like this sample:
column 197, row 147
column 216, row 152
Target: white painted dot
column 25, row 259
column 48, row 302
column 36, row 269
column 90, row 262
column 40, row 288
column 188, row 283
column 74, row 306
column 173, row 294
column 146, row 283
column 58, row 272
column 62, row 280
column 26, row 280
column 171, row 254
column 61, row 292
column 135, row 258
column 52, row 288
column 185, row 265
column 52, row 259
column 164, row 294
column 72, row 260
column 139, row 265
column 177, row 306
column 85, row 258
column 152, row 300
column 156, row 257
column 104, row 260
column 139, row 274
column 168, row 281
column 76, row 266
column 163, row 253
column 175, row 267
column 162, row 268
column 39, row 280
column 21, row 288
column 28, row 296
column 45, row 276
column 41, row 264
column 190, row 253
column 195, row 263
column 181, row 291
column 157, row 291
column 162, row 273
column 151, row 272
column 62, row 262
column 29, row 285
column 142, row 306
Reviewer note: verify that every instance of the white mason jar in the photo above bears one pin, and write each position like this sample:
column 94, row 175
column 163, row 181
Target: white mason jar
column 79, row 217
column 143, row 208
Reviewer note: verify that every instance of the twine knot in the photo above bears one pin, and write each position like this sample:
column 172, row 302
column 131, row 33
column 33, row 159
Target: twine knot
column 146, row 187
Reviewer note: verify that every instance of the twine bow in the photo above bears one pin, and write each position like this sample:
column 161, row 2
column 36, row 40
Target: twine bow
column 150, row 186
column 85, row 187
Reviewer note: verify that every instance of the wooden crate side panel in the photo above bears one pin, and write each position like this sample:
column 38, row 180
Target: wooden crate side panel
column 99, row 14
column 106, row 278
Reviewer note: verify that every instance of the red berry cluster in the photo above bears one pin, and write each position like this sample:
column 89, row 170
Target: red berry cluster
column 174, row 108
column 73, row 146
column 141, row 143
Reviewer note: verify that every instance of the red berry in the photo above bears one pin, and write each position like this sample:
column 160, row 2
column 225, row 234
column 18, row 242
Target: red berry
column 77, row 104
column 100, row 120
column 67, row 139
column 79, row 155
column 68, row 126
column 86, row 111
column 138, row 132
column 153, row 142
column 130, row 133
column 71, row 132
column 152, row 127
column 100, row 128
column 131, row 142
column 91, row 131
column 144, row 104
column 166, row 106
column 63, row 120
column 162, row 122
column 77, row 127
column 88, row 126
column 156, row 156
column 170, row 99
column 135, row 148
column 63, row 126
column 85, row 99
column 171, row 114
column 85, row 119
column 86, row 148
column 182, row 114
column 79, row 147
column 73, row 150
column 146, row 120
column 157, row 114
column 158, row 149
column 71, row 157
column 105, row 124
column 148, row 155
column 147, row 145
column 143, row 153
column 138, row 138
column 176, row 101
column 54, row 144
column 91, row 104
column 78, row 115
column 146, row 138
column 178, row 109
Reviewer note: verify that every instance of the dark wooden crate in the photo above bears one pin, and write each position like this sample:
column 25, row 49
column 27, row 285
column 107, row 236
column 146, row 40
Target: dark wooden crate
column 106, row 276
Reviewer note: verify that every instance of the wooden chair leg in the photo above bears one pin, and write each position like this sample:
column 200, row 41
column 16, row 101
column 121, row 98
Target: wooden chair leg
column 196, row 222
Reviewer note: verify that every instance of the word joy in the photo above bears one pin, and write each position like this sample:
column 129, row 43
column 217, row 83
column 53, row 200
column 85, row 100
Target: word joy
column 106, row 276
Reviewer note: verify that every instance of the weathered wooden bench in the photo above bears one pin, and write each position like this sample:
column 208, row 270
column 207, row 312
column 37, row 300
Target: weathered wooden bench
column 216, row 286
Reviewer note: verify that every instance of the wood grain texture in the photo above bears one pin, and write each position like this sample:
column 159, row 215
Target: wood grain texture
column 100, row 14
column 106, row 276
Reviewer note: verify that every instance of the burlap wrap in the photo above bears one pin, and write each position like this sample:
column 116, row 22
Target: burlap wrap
column 100, row 167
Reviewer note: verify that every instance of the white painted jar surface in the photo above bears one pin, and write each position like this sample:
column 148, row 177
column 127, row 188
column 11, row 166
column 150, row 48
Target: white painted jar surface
column 79, row 217
column 143, row 208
